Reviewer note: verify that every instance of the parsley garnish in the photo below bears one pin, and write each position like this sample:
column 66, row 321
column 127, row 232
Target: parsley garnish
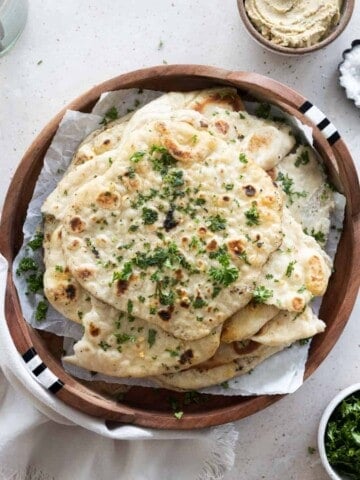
column 35, row 283
column 318, row 236
column 37, row 241
column 287, row 186
column 178, row 415
column 25, row 265
column 149, row 216
column 252, row 215
column 41, row 311
column 199, row 303
column 311, row 450
column 302, row 159
column 261, row 294
column 342, row 437
column 263, row 110
column 137, row 156
column 124, row 337
column 104, row 345
column 125, row 273
column 162, row 161
column 151, row 337
column 224, row 275
column 129, row 307
column 175, row 178
column 242, row 158
column 59, row 268
column 216, row 223
column 111, row 114
column 290, row 268
column 228, row 186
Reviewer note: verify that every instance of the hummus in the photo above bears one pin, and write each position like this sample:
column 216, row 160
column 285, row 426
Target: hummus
column 294, row 23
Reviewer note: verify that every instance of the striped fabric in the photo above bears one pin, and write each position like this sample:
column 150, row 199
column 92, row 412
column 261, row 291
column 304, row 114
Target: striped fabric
column 43, row 375
column 322, row 122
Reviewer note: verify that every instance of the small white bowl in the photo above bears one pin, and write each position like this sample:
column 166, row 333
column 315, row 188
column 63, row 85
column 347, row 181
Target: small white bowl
column 322, row 428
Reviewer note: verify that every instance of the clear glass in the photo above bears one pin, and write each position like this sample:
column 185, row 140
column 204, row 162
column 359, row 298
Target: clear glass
column 13, row 15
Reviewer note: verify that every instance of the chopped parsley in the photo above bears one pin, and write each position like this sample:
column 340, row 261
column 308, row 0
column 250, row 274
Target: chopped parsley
column 137, row 156
column 216, row 223
column 228, row 186
column 41, row 311
column 199, row 302
column 302, row 159
column 59, row 268
column 35, row 283
column 263, row 110
column 225, row 274
column 224, row 385
column 110, row 115
column 26, row 264
column 124, row 338
column 175, row 178
column 342, row 437
column 287, row 185
column 252, row 215
column 104, row 345
column 290, row 268
column 37, row 241
column 149, row 216
column 261, row 294
column 130, row 307
column 318, row 236
column 125, row 273
column 162, row 161
column 151, row 337
column 242, row 158
column 311, row 450
column 178, row 415
column 133, row 228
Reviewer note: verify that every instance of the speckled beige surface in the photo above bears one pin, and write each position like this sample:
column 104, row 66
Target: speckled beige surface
column 85, row 42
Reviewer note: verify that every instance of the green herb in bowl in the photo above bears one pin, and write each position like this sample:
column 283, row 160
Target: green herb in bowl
column 342, row 437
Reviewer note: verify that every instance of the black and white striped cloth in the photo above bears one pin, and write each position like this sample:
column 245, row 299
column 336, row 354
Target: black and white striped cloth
column 321, row 121
column 42, row 373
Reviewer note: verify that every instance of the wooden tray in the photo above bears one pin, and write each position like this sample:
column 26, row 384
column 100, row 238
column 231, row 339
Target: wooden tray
column 151, row 407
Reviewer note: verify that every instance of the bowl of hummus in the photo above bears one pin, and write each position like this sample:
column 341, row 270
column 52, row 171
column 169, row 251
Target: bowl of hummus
column 295, row 27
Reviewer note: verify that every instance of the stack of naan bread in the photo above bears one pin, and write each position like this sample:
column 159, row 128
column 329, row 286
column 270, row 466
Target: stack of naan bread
column 177, row 239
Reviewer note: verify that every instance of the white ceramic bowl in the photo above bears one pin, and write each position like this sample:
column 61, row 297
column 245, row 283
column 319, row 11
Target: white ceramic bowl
column 333, row 474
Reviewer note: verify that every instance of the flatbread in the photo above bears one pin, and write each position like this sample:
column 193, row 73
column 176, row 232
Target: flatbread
column 298, row 271
column 288, row 327
column 309, row 196
column 247, row 322
column 120, row 345
column 99, row 244
column 211, row 374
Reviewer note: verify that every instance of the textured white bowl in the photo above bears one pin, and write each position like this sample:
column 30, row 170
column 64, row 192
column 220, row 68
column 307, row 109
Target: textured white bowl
column 322, row 428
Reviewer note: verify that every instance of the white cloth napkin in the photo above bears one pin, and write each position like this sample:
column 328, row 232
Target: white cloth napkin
column 54, row 441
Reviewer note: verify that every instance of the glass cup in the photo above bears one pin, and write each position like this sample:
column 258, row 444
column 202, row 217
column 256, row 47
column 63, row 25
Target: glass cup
column 13, row 15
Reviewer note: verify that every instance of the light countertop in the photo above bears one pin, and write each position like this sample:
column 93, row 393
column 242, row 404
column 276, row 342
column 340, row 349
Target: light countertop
column 67, row 47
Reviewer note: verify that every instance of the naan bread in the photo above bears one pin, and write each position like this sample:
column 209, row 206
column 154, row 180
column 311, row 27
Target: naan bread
column 309, row 196
column 193, row 247
column 247, row 322
column 218, row 372
column 118, row 344
column 298, row 271
column 288, row 327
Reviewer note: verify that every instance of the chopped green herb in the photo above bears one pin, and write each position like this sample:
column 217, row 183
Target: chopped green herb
column 342, row 437
column 318, row 236
column 242, row 116
column 199, row 302
column 301, row 289
column 137, row 156
column 152, row 310
column 263, row 110
column 304, row 341
column 37, row 241
column 242, row 158
column 302, row 159
column 35, row 283
column 224, row 385
column 161, row 44
column 130, row 172
column 59, row 268
column 133, row 228
column 124, row 338
column 173, row 353
column 178, row 415
column 104, row 345
column 39, row 62
column 110, row 160
column 311, row 450
column 224, row 275
column 194, row 139
column 130, row 306
column 175, row 178
column 287, row 185
column 151, row 337
column 41, row 311
column 26, row 264
column 261, row 294
column 252, row 215
column 162, row 161
column 149, row 216
column 228, row 186
column 244, row 257
column 80, row 314
column 290, row 268
column 269, row 276
column 141, row 299
column 216, row 223
column 110, row 115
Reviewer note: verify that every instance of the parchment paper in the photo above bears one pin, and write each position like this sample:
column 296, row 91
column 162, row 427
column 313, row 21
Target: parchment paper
column 279, row 374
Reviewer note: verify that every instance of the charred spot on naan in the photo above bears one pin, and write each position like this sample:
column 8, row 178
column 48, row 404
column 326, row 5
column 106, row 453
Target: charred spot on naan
column 227, row 99
column 315, row 278
column 77, row 225
column 108, row 200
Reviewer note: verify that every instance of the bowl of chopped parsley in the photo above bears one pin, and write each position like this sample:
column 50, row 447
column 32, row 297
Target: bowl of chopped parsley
column 339, row 435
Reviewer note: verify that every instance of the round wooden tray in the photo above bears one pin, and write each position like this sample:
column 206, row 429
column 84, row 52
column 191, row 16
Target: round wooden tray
column 151, row 407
